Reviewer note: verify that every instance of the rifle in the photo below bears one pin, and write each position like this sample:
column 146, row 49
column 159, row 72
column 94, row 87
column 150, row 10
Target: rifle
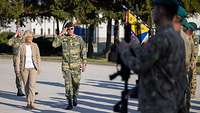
column 122, row 105
column 124, row 72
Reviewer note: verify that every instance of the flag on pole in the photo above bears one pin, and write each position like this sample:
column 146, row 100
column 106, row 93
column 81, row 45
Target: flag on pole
column 138, row 28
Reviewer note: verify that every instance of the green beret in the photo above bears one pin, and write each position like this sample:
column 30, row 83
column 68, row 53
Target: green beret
column 185, row 24
column 172, row 3
column 192, row 26
column 181, row 12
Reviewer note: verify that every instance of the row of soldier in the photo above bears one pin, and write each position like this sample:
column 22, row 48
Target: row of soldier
column 191, row 41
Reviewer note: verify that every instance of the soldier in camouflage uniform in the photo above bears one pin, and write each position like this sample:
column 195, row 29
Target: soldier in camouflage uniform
column 160, row 64
column 15, row 42
column 190, row 32
column 182, row 26
column 74, row 60
column 189, row 45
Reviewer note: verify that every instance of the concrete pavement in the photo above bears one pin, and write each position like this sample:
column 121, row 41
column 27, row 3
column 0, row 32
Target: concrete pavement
column 97, row 93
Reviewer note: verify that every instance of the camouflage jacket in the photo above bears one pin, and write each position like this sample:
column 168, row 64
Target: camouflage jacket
column 196, row 45
column 74, row 51
column 160, row 64
column 15, row 42
column 189, row 49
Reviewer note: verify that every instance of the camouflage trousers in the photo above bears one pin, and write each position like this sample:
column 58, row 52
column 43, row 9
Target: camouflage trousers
column 18, row 80
column 72, row 82
column 193, row 82
column 190, row 91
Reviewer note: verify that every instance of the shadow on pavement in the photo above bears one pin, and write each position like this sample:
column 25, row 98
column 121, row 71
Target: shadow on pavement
column 51, row 83
column 89, row 101
column 12, row 96
column 195, row 105
column 12, row 105
column 92, row 101
column 34, row 111
column 90, row 82
column 106, row 84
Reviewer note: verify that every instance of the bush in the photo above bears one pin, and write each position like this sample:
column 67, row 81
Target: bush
column 45, row 46
column 4, row 37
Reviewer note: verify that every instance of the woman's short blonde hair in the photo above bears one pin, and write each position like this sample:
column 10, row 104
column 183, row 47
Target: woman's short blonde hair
column 28, row 33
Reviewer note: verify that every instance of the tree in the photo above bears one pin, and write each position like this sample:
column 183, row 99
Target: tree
column 116, row 31
column 10, row 10
column 87, row 13
column 109, row 34
column 192, row 6
column 110, row 11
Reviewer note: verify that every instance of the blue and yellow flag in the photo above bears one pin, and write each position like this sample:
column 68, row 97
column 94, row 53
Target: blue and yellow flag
column 142, row 34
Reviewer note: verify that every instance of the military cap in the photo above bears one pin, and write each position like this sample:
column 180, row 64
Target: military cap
column 185, row 24
column 69, row 24
column 192, row 26
column 170, row 3
column 181, row 12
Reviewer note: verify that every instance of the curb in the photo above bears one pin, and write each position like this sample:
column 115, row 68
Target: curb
column 59, row 59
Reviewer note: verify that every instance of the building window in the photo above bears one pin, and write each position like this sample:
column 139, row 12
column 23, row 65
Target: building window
column 49, row 31
column 34, row 31
column 41, row 33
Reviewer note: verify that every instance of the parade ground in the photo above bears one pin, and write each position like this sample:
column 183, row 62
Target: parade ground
column 97, row 93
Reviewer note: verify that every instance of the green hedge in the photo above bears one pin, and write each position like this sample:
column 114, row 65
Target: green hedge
column 45, row 46
column 4, row 37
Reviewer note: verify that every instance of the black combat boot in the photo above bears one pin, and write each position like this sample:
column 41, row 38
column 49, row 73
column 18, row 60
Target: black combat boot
column 70, row 106
column 75, row 102
column 20, row 93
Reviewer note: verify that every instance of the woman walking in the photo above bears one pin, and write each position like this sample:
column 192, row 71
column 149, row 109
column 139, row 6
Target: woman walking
column 28, row 64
